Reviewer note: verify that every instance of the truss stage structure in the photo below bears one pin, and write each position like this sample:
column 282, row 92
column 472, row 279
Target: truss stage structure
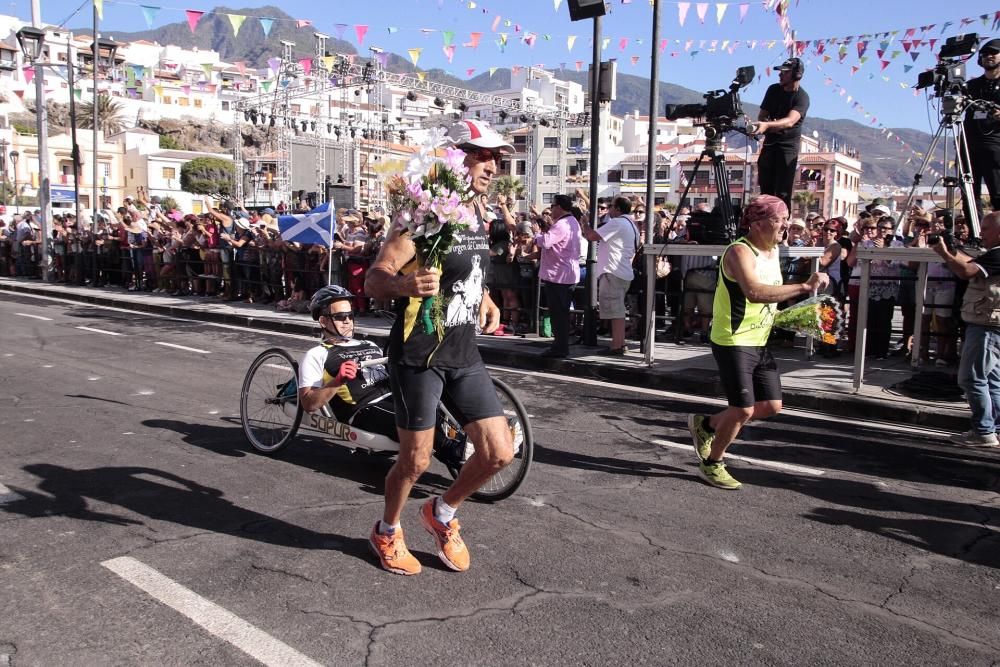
column 298, row 111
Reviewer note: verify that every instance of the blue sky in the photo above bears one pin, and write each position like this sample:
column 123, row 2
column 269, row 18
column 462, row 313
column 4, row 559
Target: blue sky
column 422, row 24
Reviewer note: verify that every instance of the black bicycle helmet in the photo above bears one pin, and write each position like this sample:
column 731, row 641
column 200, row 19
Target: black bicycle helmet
column 324, row 296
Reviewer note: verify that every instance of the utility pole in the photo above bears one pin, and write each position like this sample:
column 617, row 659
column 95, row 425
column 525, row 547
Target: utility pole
column 590, row 309
column 95, row 47
column 654, row 123
column 42, row 119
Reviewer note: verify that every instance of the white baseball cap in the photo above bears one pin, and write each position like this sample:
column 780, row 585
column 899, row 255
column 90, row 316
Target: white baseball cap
column 479, row 134
column 882, row 210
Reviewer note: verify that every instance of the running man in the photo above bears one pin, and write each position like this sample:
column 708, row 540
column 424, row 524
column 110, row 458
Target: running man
column 749, row 287
column 423, row 370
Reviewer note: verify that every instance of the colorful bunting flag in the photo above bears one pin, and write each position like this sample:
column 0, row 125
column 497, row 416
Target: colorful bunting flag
column 266, row 25
column 682, row 11
column 360, row 31
column 193, row 16
column 236, row 20
column 414, row 55
column 149, row 13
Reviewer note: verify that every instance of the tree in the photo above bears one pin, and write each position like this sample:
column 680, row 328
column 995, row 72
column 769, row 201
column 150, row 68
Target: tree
column 111, row 115
column 210, row 176
column 508, row 185
column 804, row 199
column 169, row 143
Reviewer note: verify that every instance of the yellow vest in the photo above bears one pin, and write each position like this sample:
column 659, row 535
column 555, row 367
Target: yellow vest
column 736, row 321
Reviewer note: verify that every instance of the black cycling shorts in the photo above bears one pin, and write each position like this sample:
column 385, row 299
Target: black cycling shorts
column 748, row 374
column 467, row 392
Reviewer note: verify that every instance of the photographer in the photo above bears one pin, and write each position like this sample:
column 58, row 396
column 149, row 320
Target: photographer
column 781, row 114
column 979, row 370
column 982, row 127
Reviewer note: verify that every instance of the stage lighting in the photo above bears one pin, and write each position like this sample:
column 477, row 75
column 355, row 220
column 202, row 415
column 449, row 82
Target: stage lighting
column 524, row 118
column 354, row 133
column 336, row 132
column 544, row 122
column 246, row 114
column 329, row 128
column 463, row 107
column 402, row 136
column 503, row 115
column 312, row 125
column 357, row 92
column 438, row 102
column 304, row 125
column 271, row 122
column 411, row 96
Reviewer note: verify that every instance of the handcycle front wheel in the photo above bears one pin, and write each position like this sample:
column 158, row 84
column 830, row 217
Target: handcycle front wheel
column 269, row 404
column 505, row 482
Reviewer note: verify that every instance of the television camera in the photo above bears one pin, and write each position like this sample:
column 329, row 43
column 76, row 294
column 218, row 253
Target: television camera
column 947, row 79
column 721, row 109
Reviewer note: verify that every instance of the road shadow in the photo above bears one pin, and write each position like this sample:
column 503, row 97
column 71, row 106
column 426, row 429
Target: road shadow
column 368, row 471
column 955, row 529
column 163, row 496
column 606, row 464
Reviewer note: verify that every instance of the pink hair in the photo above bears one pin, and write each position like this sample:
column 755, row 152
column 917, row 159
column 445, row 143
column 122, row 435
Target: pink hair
column 764, row 207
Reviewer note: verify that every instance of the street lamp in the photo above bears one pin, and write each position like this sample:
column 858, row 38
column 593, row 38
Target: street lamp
column 14, row 156
column 104, row 52
column 31, row 39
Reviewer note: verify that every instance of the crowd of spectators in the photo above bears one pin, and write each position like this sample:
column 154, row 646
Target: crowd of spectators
column 232, row 253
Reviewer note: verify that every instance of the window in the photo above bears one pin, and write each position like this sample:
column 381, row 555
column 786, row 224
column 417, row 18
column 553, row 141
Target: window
column 636, row 174
column 576, row 142
column 550, row 142
column 167, row 100
column 106, row 169
column 550, row 170
column 661, row 174
column 736, row 175
column 131, row 173
column 225, row 106
column 182, row 101
column 614, row 176
column 197, row 103
column 169, row 172
column 547, row 197
column 521, row 171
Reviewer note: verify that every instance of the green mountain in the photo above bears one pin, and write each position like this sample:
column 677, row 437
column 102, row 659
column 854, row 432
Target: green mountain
column 883, row 160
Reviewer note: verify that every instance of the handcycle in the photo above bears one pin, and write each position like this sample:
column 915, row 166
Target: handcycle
column 272, row 416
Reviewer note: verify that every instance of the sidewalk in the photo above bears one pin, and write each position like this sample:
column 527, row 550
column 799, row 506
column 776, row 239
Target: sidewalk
column 819, row 384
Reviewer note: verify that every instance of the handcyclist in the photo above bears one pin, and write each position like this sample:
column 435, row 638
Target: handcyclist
column 330, row 372
column 424, row 370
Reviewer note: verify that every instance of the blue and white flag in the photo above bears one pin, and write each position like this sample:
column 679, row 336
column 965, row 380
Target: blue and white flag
column 317, row 226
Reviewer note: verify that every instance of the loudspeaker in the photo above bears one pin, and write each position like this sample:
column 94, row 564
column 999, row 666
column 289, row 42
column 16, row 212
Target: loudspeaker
column 607, row 81
column 585, row 9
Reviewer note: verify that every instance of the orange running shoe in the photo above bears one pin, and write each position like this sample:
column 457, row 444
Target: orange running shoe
column 451, row 548
column 392, row 552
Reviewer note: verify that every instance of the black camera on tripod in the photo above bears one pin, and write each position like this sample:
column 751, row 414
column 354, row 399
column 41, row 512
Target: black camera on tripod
column 948, row 77
column 721, row 109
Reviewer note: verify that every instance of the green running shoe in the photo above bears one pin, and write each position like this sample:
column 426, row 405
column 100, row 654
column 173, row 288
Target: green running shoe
column 702, row 439
column 715, row 473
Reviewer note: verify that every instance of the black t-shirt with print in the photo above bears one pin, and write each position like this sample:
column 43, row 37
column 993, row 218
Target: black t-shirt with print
column 778, row 103
column 463, row 277
column 980, row 126
column 370, row 381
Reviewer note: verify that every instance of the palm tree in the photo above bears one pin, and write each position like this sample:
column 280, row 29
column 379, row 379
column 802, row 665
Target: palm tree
column 804, row 199
column 506, row 186
column 111, row 115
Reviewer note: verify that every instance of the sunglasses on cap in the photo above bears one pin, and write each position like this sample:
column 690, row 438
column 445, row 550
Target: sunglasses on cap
column 484, row 154
column 342, row 317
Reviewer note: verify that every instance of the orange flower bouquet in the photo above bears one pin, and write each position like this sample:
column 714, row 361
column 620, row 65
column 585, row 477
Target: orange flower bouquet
column 821, row 317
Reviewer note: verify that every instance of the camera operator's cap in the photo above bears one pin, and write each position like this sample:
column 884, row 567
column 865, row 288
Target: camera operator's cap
column 478, row 134
column 992, row 46
column 792, row 64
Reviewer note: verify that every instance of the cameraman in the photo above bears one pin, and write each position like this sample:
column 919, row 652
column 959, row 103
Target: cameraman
column 982, row 127
column 781, row 115
column 979, row 370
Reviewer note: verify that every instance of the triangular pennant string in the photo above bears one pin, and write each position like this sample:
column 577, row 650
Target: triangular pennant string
column 360, row 31
column 266, row 24
column 193, row 16
column 236, row 20
column 149, row 13
column 682, row 11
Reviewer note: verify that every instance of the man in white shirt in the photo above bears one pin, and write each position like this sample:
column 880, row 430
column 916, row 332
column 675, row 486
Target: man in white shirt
column 619, row 240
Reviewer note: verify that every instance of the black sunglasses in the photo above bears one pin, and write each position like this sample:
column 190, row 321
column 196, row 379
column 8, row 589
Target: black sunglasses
column 484, row 154
column 342, row 317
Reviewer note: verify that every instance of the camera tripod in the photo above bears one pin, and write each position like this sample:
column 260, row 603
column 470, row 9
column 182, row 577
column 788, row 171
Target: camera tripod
column 713, row 152
column 951, row 127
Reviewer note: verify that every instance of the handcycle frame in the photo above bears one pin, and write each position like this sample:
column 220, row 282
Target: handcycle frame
column 279, row 394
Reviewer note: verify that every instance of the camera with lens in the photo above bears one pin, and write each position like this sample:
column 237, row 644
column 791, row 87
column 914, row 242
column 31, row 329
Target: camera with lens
column 947, row 79
column 721, row 109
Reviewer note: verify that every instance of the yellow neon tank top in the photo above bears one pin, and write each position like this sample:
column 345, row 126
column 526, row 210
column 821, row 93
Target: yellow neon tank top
column 736, row 321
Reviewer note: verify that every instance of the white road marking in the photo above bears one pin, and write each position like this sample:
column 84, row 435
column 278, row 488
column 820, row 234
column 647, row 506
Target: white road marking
column 94, row 378
column 761, row 462
column 144, row 392
column 47, row 366
column 110, row 333
column 279, row 367
column 35, row 317
column 219, row 621
column 183, row 347
column 906, row 429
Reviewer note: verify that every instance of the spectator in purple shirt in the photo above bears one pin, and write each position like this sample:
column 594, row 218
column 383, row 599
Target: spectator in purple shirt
column 559, row 269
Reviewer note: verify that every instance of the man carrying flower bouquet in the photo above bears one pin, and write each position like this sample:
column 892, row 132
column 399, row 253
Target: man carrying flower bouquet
column 748, row 289
column 432, row 351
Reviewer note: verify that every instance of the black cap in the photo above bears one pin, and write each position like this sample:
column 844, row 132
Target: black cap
column 791, row 63
column 992, row 45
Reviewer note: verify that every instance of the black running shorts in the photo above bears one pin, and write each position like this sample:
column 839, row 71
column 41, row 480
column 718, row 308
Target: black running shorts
column 467, row 392
column 748, row 374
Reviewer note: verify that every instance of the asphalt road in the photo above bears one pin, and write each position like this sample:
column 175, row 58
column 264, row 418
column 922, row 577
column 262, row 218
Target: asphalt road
column 136, row 527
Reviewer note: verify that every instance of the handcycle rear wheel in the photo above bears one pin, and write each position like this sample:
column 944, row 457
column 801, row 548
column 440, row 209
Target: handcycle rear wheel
column 504, row 483
column 269, row 407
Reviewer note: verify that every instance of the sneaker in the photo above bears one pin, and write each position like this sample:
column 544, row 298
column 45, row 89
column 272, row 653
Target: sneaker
column 973, row 439
column 715, row 473
column 451, row 548
column 701, row 438
column 392, row 552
